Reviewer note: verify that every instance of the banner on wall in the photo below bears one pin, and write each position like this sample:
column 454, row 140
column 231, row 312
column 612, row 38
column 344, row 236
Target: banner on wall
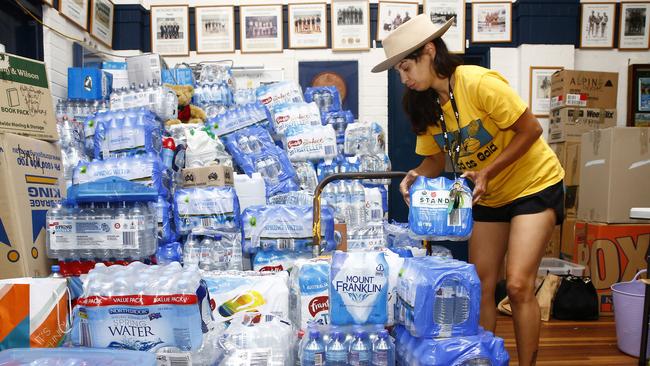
column 342, row 74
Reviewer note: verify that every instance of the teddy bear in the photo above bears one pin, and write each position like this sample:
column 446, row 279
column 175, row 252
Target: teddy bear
column 187, row 113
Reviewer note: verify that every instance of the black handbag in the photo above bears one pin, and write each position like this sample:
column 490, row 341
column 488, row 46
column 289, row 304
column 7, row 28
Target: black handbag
column 576, row 299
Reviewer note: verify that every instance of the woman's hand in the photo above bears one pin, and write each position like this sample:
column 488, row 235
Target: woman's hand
column 406, row 184
column 480, row 179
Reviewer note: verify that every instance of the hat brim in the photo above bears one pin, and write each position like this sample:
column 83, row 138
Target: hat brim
column 395, row 59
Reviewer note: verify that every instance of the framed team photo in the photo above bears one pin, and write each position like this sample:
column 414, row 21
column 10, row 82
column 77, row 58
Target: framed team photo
column 440, row 12
column 597, row 25
column 308, row 25
column 170, row 27
column 350, row 25
column 633, row 34
column 392, row 15
column 101, row 21
column 261, row 28
column 491, row 22
column 215, row 29
column 76, row 11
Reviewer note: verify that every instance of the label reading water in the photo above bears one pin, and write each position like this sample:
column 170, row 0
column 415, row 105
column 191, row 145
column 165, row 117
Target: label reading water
column 94, row 234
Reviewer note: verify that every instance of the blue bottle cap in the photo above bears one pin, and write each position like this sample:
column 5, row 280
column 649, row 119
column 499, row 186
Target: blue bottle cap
column 55, row 268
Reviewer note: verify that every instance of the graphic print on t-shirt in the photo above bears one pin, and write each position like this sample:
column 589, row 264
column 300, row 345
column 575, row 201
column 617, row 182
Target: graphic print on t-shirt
column 475, row 139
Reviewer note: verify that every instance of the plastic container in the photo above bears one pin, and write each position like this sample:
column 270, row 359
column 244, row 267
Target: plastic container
column 558, row 266
column 76, row 356
column 628, row 314
column 251, row 191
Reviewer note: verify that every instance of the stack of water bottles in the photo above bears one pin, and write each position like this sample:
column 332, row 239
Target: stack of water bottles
column 214, row 89
column 448, row 335
column 338, row 347
column 213, row 250
column 157, row 98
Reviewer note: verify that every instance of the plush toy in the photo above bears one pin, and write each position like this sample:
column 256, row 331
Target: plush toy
column 187, row 113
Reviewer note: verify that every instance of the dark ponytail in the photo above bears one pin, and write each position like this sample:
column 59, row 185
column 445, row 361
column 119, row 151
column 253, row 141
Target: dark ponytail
column 420, row 106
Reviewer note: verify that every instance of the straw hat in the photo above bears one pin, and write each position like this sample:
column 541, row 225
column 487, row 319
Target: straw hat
column 409, row 37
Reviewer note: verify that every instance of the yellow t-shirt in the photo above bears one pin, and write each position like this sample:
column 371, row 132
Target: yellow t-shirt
column 488, row 106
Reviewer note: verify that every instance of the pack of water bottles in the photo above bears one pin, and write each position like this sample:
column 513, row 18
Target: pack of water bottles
column 295, row 198
column 146, row 169
column 369, row 236
column 272, row 95
column 214, row 97
column 256, row 339
column 127, row 132
column 305, row 143
column 292, row 114
column 450, row 287
column 440, row 209
column 240, row 117
column 244, row 96
column 340, row 120
column 342, row 346
column 483, row 349
column 285, row 228
column 309, row 293
column 159, row 99
column 327, row 98
column 213, row 250
column 325, row 168
column 235, row 292
column 216, row 73
column 364, row 139
column 74, row 357
column 306, row 174
column 274, row 260
column 253, row 150
column 206, row 207
column 349, row 201
column 71, row 135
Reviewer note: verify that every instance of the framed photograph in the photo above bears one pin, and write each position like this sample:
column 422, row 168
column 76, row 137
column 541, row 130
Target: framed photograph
column 215, row 29
column 539, row 89
column 644, row 94
column 350, row 25
column 638, row 95
column 261, row 28
column 76, row 11
column 392, row 15
column 597, row 25
column 101, row 21
column 308, row 25
column 491, row 22
column 633, row 34
column 442, row 10
column 170, row 30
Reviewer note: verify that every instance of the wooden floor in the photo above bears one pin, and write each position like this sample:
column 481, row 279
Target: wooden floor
column 571, row 343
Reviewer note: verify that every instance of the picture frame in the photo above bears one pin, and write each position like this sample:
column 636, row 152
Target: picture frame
column 638, row 95
column 214, row 28
column 634, row 33
column 170, row 30
column 391, row 15
column 592, row 18
column 350, row 25
column 102, row 13
column 261, row 28
column 492, row 22
column 75, row 11
column 539, row 89
column 307, row 25
column 442, row 10
column 48, row 2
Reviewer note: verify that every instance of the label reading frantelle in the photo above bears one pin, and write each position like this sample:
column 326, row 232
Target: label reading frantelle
column 93, row 234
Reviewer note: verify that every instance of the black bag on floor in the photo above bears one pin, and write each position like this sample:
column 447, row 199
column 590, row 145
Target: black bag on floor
column 576, row 299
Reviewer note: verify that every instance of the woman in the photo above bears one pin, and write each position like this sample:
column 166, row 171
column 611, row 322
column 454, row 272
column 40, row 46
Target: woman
column 518, row 188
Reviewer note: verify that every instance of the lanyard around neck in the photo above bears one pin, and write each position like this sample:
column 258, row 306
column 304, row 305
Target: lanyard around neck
column 454, row 152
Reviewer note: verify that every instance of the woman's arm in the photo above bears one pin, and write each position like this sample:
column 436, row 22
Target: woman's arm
column 527, row 130
column 431, row 166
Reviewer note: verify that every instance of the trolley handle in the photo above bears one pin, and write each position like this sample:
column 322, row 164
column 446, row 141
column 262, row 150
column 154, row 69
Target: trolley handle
column 316, row 224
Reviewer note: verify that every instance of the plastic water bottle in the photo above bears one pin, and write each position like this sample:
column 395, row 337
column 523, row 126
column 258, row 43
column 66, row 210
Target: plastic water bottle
column 461, row 306
column 443, row 308
column 359, row 350
column 191, row 252
column 313, row 352
column 357, row 207
column 272, row 168
column 383, row 351
column 336, row 354
column 56, row 271
column 220, row 256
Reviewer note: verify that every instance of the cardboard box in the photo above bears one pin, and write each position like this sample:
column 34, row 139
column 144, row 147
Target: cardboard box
column 568, row 240
column 213, row 175
column 31, row 181
column 25, row 99
column 87, row 83
column 589, row 89
column 553, row 246
column 614, row 174
column 144, row 69
column 569, row 155
column 612, row 253
column 569, row 123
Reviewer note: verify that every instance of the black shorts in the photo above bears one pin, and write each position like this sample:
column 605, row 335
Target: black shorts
column 551, row 197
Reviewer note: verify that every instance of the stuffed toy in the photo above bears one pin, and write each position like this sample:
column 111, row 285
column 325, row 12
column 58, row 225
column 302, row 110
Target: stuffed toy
column 187, row 113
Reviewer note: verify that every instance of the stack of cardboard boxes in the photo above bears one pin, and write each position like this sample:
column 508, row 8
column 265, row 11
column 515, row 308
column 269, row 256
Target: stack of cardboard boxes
column 31, row 179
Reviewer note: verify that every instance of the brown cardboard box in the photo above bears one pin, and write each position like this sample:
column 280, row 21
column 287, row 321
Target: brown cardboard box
column 614, row 174
column 25, row 99
column 31, row 181
column 611, row 254
column 590, row 89
column 568, row 241
column 213, row 175
column 553, row 246
column 569, row 155
column 569, row 123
